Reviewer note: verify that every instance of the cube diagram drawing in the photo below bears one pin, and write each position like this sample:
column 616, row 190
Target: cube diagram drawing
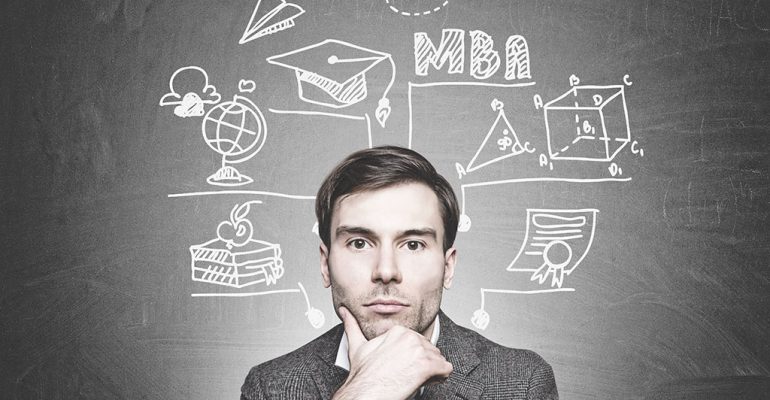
column 587, row 123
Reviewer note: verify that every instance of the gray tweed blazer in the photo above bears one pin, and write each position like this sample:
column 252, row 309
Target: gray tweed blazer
column 482, row 370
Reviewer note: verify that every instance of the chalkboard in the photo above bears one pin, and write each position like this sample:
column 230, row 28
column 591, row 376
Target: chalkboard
column 160, row 159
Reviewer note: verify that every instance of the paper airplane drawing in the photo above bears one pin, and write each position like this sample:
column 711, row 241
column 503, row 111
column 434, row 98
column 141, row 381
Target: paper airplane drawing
column 500, row 143
column 262, row 23
column 555, row 242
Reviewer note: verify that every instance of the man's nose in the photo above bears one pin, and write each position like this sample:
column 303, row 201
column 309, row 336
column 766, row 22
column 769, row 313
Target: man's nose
column 386, row 270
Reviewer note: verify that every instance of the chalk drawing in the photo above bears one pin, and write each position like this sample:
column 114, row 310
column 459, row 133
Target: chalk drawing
column 194, row 83
column 464, row 224
column 234, row 258
column 247, row 86
column 246, row 294
column 332, row 74
column 314, row 316
column 412, row 86
column 555, row 243
column 484, row 60
column 485, row 154
column 517, row 58
column 601, row 113
column 451, row 50
column 501, row 142
column 237, row 130
column 266, row 21
column 421, row 9
column 481, row 318
column 243, row 192
column 588, row 123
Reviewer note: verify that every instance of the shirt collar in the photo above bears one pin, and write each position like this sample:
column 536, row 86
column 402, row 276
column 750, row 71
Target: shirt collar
column 342, row 351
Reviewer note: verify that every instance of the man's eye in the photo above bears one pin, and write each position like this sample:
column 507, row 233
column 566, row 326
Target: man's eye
column 358, row 244
column 414, row 245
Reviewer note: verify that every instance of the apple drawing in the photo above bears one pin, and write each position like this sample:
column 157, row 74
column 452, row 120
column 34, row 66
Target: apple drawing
column 238, row 230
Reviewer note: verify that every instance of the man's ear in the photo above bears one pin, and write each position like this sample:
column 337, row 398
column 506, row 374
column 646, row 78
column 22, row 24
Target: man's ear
column 325, row 265
column 450, row 258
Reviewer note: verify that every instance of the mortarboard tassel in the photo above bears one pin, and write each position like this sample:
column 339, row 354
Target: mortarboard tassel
column 383, row 106
column 383, row 111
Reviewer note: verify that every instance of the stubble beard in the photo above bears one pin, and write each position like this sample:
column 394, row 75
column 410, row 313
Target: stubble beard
column 418, row 317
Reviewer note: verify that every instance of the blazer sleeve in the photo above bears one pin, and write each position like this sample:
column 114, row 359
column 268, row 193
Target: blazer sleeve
column 252, row 387
column 542, row 384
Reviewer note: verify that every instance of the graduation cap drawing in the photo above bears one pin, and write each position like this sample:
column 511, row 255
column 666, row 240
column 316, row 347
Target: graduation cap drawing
column 332, row 73
column 279, row 17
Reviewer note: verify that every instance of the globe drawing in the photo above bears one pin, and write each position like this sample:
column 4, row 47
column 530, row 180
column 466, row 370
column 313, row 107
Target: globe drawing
column 235, row 129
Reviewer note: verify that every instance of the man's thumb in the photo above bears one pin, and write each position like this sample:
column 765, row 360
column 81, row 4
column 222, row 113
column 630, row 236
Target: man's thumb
column 355, row 337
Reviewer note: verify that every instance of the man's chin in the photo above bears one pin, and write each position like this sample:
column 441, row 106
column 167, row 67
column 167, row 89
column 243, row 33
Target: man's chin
column 376, row 327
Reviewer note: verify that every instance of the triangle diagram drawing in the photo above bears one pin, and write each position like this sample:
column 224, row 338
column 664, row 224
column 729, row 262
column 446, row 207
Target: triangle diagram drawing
column 500, row 143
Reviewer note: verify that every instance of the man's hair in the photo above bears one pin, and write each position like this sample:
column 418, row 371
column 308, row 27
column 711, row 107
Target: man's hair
column 379, row 168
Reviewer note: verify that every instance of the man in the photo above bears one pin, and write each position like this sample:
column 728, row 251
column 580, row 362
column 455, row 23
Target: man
column 387, row 222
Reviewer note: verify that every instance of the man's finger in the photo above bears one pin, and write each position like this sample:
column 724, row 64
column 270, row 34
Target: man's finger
column 356, row 338
column 442, row 372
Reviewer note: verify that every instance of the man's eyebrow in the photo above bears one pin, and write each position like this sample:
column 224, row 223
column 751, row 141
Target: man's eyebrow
column 359, row 230
column 353, row 230
column 430, row 232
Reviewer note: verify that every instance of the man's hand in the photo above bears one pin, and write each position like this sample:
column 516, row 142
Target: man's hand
column 391, row 366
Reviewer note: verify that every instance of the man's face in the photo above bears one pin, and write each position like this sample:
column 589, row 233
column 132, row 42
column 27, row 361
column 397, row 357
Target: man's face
column 386, row 263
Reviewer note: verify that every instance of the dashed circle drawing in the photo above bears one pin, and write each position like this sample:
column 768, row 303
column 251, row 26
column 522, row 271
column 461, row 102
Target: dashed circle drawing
column 412, row 8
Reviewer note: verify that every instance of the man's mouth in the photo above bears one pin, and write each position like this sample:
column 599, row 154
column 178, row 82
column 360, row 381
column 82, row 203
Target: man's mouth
column 385, row 307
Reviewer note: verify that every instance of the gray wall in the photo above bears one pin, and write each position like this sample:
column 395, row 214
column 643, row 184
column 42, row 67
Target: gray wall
column 104, row 190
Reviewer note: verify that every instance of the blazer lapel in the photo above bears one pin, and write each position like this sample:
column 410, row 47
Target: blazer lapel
column 462, row 355
column 329, row 377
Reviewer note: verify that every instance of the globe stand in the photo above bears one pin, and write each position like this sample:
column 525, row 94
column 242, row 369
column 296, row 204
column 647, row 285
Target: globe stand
column 228, row 176
column 236, row 130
